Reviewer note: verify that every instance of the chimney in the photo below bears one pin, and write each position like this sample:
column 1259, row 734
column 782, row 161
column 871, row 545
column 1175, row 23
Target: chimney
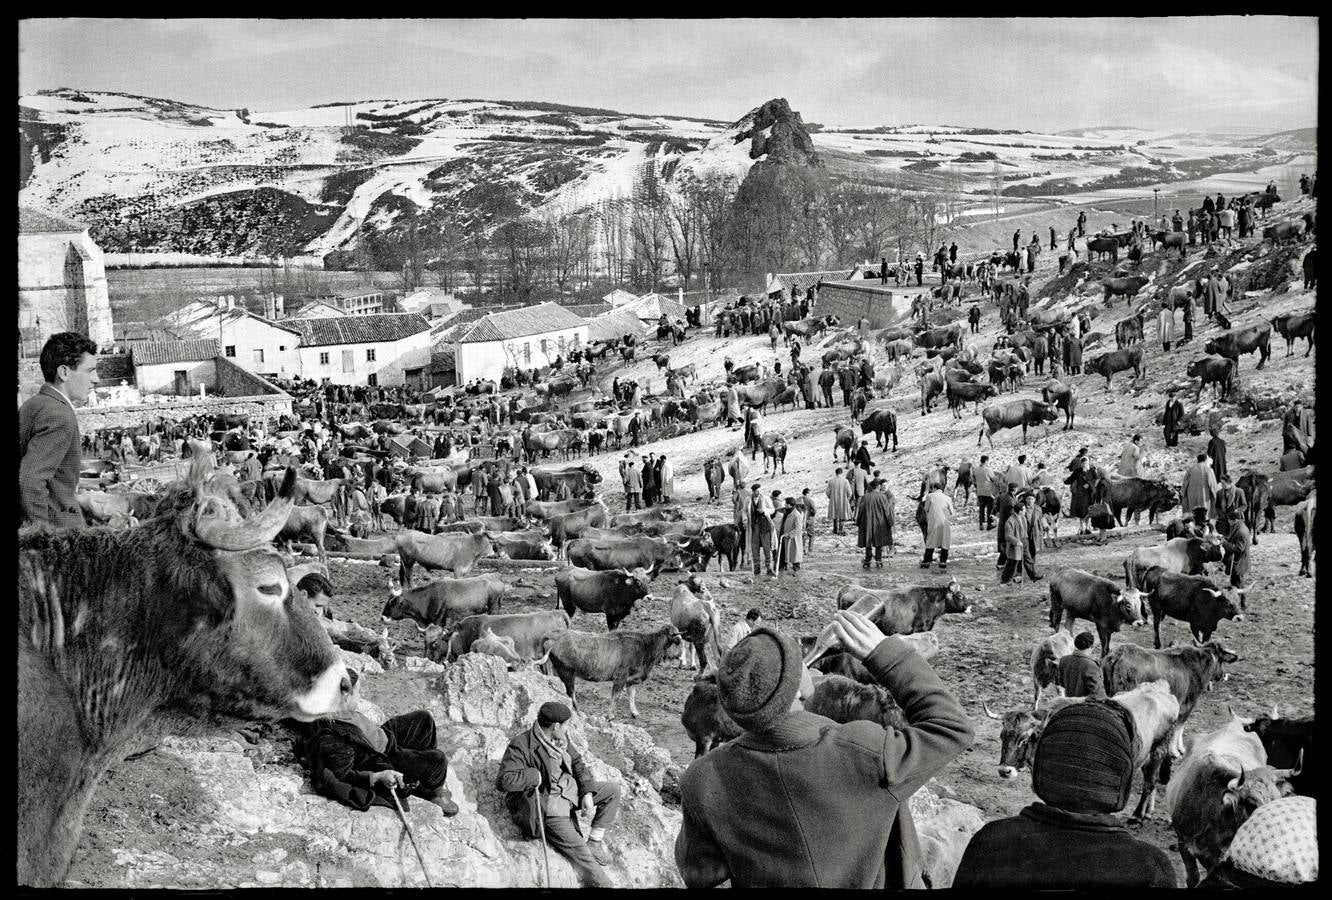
column 231, row 301
column 278, row 311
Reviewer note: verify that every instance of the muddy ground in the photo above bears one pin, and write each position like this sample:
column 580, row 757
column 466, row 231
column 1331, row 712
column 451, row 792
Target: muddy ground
column 984, row 654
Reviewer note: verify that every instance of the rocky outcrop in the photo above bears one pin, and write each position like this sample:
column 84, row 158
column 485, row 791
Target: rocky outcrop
column 210, row 812
column 217, row 811
column 776, row 131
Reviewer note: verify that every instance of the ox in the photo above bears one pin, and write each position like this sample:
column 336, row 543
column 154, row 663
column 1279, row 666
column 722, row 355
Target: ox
column 1182, row 555
column 624, row 658
column 1012, row 414
column 694, row 614
column 560, row 484
column 704, row 720
column 227, row 638
column 1214, row 370
column 456, row 553
column 883, row 422
column 1075, row 594
column 1107, row 364
column 613, row 592
column 1063, row 397
column 906, row 610
column 530, row 633
column 1296, row 325
column 306, row 523
column 1289, row 744
column 1243, row 340
column 1191, row 599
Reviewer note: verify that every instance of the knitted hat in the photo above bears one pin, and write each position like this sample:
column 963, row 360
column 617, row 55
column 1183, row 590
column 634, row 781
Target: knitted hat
column 1279, row 841
column 759, row 678
column 551, row 712
column 1084, row 758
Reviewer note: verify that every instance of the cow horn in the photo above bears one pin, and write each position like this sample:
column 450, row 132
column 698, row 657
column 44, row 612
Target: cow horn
column 988, row 712
column 1275, row 710
column 1299, row 764
column 228, row 532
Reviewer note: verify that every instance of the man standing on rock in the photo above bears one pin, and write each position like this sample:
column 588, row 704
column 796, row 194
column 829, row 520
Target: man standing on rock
column 797, row 801
column 546, row 782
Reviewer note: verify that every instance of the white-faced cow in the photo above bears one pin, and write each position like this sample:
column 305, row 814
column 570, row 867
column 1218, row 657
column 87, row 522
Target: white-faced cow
column 227, row 636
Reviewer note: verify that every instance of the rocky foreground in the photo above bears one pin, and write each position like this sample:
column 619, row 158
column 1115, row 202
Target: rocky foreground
column 214, row 810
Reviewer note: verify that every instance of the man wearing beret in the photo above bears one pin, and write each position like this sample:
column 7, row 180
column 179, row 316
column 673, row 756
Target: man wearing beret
column 801, row 801
column 542, row 774
column 1083, row 772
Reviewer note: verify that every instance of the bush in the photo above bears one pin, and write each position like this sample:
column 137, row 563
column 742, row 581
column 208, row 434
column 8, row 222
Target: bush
column 388, row 144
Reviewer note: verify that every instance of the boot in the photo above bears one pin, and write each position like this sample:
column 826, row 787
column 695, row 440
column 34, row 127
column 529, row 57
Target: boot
column 443, row 800
column 599, row 852
column 943, row 559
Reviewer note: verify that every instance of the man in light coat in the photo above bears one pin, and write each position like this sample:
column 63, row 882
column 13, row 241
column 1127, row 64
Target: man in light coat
column 838, row 493
column 1165, row 325
column 938, row 527
column 1017, row 474
column 667, row 480
column 760, row 530
column 791, row 536
column 1198, row 490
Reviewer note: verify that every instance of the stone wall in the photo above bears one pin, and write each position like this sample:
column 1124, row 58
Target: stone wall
column 851, row 300
column 62, row 286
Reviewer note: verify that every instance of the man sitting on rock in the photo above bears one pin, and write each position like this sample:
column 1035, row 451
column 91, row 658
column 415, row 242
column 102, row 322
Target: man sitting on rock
column 542, row 774
column 356, row 762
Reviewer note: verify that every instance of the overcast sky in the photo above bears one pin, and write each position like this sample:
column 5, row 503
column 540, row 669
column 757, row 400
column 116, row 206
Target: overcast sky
column 1039, row 74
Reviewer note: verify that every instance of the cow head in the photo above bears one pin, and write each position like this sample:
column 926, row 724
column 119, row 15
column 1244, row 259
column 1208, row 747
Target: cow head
column 635, row 581
column 1252, row 788
column 1229, row 603
column 1129, row 605
column 1220, row 654
column 1017, row 738
column 396, row 608
column 955, row 600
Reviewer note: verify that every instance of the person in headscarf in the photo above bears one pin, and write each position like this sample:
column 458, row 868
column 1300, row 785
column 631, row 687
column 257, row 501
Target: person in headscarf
column 1083, row 774
column 1276, row 847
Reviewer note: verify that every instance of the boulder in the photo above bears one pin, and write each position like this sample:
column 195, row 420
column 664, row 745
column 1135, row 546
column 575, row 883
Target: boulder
column 945, row 828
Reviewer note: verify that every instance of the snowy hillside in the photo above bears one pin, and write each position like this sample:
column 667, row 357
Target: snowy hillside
column 154, row 174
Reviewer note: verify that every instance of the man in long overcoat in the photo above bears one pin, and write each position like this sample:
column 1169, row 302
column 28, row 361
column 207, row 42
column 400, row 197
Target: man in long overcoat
column 1198, row 489
column 938, row 526
column 874, row 522
column 838, row 493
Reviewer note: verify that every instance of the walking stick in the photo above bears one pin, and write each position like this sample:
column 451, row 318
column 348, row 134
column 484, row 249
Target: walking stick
column 405, row 824
column 545, row 851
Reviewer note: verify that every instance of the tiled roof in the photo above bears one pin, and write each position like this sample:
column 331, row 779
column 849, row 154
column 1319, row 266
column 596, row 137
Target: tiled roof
column 618, row 296
column 153, row 353
column 33, row 221
column 614, row 325
column 651, row 306
column 317, row 309
column 383, row 327
column 587, row 310
column 539, row 319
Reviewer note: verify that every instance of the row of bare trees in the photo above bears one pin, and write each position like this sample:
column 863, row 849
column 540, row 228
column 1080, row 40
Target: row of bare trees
column 696, row 230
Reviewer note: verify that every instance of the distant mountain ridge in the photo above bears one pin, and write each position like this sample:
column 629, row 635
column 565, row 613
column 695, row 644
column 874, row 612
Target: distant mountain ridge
column 154, row 174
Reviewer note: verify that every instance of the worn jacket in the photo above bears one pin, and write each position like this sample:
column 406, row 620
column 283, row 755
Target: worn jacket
column 983, row 478
column 529, row 769
column 49, row 461
column 1044, row 847
column 1080, row 676
column 810, row 803
column 938, row 520
column 1198, row 487
column 874, row 520
column 341, row 760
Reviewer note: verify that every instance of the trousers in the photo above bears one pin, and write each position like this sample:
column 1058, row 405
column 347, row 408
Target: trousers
column 563, row 835
column 985, row 505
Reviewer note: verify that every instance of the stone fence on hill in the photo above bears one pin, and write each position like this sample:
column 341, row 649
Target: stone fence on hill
column 851, row 300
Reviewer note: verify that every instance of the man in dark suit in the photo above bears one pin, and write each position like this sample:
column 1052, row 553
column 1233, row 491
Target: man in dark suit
column 49, row 441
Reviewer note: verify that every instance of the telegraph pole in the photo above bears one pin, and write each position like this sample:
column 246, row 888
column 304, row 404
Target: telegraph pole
column 1156, row 214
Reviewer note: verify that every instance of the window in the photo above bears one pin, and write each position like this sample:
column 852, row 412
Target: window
column 231, row 350
column 370, row 355
column 323, row 359
column 575, row 340
column 544, row 349
column 527, row 352
column 259, row 356
column 348, row 365
column 372, row 379
column 282, row 348
column 560, row 342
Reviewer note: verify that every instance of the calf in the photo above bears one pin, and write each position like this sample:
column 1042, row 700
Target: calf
column 1190, row 599
column 1128, row 332
column 1075, row 594
column 531, row 545
column 883, row 422
column 1296, row 325
column 704, row 720
column 624, row 658
column 1289, row 744
column 613, row 592
column 566, row 526
column 1063, row 397
column 844, row 700
column 1045, row 658
column 726, row 539
column 530, row 633
column 448, row 598
column 1107, row 364
column 905, row 610
column 1243, row 340
column 1219, row 784
column 694, row 614
column 1217, row 371
column 1186, row 556
column 961, row 393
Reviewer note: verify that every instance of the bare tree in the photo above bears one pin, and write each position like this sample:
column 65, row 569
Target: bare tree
column 712, row 196
column 648, row 225
column 568, row 245
column 683, row 228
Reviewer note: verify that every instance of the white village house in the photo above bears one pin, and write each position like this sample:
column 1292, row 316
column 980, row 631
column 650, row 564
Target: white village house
column 379, row 349
column 175, row 367
column 256, row 344
column 525, row 338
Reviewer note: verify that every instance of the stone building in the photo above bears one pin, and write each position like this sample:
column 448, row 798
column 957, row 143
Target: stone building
column 383, row 350
column 175, row 368
column 254, row 343
column 61, row 281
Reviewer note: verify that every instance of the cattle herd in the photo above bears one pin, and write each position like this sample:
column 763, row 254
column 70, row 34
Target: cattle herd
column 508, row 488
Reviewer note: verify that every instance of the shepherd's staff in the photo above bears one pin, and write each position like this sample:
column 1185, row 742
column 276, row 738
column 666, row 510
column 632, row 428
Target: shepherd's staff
column 405, row 824
column 541, row 832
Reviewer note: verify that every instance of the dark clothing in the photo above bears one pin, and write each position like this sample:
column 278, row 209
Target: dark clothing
column 1043, row 847
column 1079, row 489
column 341, row 759
column 985, row 506
column 1216, row 449
column 813, row 803
column 527, row 774
column 1080, row 676
column 862, row 458
column 49, row 461
column 1225, row 877
column 1174, row 414
column 1005, row 504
